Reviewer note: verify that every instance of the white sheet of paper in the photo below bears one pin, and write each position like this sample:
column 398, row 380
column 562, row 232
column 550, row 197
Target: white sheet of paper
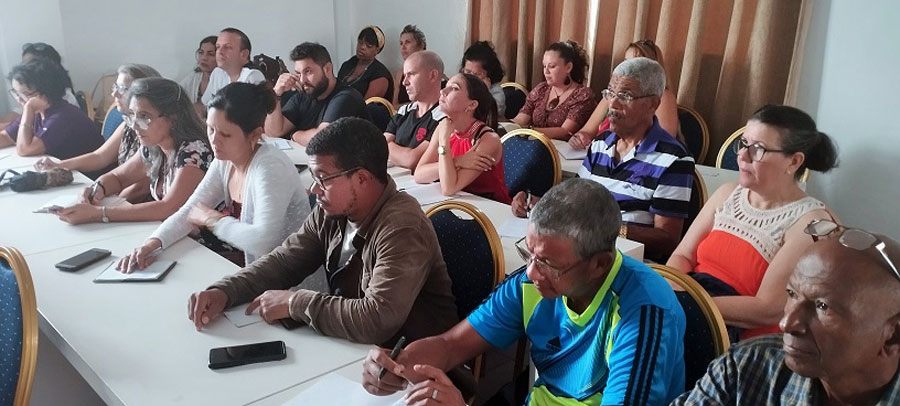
column 407, row 183
column 515, row 227
column 334, row 389
column 152, row 272
column 238, row 316
column 428, row 194
column 62, row 202
column 281, row 143
column 568, row 152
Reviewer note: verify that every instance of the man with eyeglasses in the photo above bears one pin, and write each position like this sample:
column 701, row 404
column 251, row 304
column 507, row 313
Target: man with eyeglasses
column 604, row 328
column 386, row 276
column 841, row 341
column 648, row 172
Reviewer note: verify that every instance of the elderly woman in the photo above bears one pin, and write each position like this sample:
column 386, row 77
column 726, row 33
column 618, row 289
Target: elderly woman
column 251, row 197
column 365, row 73
column 412, row 40
column 48, row 125
column 174, row 155
column 744, row 244
column 481, row 60
column 667, row 112
column 196, row 82
column 468, row 155
column 561, row 104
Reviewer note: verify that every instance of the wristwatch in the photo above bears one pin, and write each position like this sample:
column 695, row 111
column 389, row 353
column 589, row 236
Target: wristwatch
column 103, row 217
column 442, row 150
column 623, row 230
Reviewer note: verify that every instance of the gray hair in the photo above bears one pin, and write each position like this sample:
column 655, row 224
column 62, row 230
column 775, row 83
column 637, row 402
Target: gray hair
column 649, row 73
column 138, row 71
column 429, row 60
column 595, row 227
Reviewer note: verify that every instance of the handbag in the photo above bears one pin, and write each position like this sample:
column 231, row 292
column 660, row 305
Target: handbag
column 30, row 180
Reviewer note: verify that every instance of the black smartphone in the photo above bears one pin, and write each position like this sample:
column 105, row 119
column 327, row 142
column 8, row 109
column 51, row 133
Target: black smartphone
column 82, row 260
column 226, row 357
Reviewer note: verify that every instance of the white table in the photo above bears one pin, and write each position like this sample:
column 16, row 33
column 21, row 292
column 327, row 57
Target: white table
column 296, row 152
column 10, row 159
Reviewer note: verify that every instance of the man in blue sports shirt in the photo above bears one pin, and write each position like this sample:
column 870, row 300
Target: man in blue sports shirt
column 604, row 328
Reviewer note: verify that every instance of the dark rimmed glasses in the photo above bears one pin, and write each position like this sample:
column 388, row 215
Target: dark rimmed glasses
column 320, row 181
column 855, row 238
column 756, row 151
column 540, row 265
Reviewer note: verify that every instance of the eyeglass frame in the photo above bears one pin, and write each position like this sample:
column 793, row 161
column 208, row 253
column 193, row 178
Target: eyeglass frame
column 118, row 89
column 626, row 98
column 21, row 98
column 542, row 266
column 320, row 181
column 877, row 243
column 742, row 144
column 131, row 120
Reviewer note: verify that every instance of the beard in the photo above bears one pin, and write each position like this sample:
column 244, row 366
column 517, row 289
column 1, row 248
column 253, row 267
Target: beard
column 318, row 89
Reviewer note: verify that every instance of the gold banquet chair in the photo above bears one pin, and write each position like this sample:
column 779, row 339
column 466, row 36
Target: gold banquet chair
column 19, row 329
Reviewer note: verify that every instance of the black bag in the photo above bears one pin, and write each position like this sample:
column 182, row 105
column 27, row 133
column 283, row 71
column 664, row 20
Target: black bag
column 271, row 68
column 30, row 180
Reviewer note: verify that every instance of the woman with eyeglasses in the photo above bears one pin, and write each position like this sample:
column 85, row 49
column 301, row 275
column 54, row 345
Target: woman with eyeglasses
column 561, row 104
column 666, row 113
column 121, row 145
column 251, row 197
column 196, row 82
column 468, row 155
column 365, row 73
column 174, row 155
column 48, row 125
column 745, row 242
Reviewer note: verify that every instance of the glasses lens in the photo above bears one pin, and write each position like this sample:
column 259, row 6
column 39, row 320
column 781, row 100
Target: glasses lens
column 821, row 228
column 523, row 253
column 857, row 239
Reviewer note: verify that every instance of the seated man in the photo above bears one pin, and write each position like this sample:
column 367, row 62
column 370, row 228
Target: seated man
column 383, row 264
column 604, row 328
column 320, row 99
column 841, row 341
column 409, row 131
column 232, row 56
column 645, row 168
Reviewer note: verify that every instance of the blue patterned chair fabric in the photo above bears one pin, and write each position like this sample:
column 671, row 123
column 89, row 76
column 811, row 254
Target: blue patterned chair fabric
column 729, row 159
column 470, row 263
column 515, row 99
column 696, row 204
column 692, row 132
column 527, row 165
column 112, row 121
column 10, row 334
column 379, row 115
column 698, row 339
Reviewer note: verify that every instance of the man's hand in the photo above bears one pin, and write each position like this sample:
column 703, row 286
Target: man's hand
column 391, row 382
column 520, row 207
column 437, row 389
column 205, row 306
column 272, row 304
column 286, row 81
column 580, row 140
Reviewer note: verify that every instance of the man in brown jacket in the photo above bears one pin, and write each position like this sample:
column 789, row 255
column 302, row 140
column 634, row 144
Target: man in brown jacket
column 383, row 264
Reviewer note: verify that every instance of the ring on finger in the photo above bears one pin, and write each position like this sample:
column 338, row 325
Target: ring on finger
column 434, row 394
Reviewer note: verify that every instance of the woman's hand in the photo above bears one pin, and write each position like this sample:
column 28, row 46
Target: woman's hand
column 474, row 159
column 92, row 195
column 80, row 213
column 45, row 164
column 202, row 216
column 580, row 140
column 141, row 257
column 36, row 104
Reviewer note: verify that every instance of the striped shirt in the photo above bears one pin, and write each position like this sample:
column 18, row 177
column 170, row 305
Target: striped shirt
column 753, row 372
column 654, row 178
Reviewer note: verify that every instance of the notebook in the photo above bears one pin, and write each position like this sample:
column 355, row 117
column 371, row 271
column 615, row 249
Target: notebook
column 153, row 273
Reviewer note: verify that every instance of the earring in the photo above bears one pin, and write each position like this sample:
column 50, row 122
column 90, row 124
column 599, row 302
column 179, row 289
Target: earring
column 568, row 79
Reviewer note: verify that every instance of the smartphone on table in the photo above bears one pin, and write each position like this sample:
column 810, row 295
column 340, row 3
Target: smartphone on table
column 83, row 259
column 226, row 357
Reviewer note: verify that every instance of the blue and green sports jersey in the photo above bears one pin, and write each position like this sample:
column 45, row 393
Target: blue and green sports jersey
column 626, row 348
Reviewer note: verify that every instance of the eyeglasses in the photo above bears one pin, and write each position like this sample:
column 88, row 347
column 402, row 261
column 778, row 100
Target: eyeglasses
column 850, row 237
column 756, row 151
column 540, row 265
column 135, row 123
column 21, row 97
column 623, row 97
column 118, row 89
column 320, row 181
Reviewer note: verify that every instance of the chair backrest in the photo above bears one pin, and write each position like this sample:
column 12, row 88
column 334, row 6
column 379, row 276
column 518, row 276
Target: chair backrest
column 694, row 131
column 84, row 102
column 111, row 121
column 727, row 158
column 19, row 329
column 705, row 337
column 472, row 250
column 380, row 111
column 699, row 196
column 530, row 162
column 515, row 98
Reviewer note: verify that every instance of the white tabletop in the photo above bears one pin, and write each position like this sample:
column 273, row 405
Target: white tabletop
column 10, row 159
column 294, row 151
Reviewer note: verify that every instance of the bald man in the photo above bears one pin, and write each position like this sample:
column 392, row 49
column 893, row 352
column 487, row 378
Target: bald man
column 841, row 341
column 409, row 131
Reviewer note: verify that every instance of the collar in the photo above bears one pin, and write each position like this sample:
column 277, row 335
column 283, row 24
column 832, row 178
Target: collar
column 648, row 143
column 390, row 190
column 583, row 318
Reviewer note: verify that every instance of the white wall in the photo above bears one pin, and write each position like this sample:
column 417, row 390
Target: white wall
column 855, row 51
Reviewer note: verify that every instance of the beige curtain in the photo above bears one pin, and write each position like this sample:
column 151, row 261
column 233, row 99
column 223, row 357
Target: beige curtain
column 724, row 58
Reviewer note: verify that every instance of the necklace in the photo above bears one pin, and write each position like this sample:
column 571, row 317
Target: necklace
column 554, row 103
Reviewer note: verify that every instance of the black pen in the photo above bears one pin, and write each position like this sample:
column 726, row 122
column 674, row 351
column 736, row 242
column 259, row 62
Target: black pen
column 93, row 192
column 394, row 353
column 528, row 204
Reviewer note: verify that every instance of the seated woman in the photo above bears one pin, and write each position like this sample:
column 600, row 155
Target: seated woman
column 745, row 242
column 481, row 60
column 468, row 155
column 562, row 103
column 251, row 197
column 40, row 50
column 174, row 154
column 48, row 125
column 412, row 40
column 195, row 83
column 121, row 145
column 667, row 112
column 363, row 72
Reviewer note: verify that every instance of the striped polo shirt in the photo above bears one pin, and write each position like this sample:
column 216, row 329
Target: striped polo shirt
column 653, row 178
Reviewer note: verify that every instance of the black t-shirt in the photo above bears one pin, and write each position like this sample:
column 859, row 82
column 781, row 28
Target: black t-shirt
column 306, row 112
column 409, row 130
column 374, row 71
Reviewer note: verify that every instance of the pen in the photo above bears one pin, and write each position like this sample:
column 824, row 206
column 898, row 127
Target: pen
column 93, row 191
column 394, row 353
column 528, row 203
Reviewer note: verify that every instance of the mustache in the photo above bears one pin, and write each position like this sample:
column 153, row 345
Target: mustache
column 614, row 114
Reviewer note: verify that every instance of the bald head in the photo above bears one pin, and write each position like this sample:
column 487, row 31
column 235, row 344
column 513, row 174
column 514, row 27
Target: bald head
column 422, row 74
column 427, row 61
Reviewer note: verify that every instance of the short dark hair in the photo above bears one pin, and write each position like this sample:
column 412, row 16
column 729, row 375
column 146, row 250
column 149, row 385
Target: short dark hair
column 42, row 50
column 570, row 51
column 311, row 50
column 483, row 53
column 368, row 36
column 353, row 142
column 487, row 106
column 417, row 34
column 209, row 40
column 245, row 40
column 245, row 104
column 43, row 76
column 799, row 134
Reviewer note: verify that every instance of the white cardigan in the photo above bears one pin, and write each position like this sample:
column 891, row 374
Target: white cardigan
column 275, row 205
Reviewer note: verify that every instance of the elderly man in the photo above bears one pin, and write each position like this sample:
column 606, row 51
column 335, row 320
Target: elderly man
column 841, row 341
column 604, row 328
column 320, row 99
column 232, row 56
column 409, row 131
column 645, row 168
column 382, row 261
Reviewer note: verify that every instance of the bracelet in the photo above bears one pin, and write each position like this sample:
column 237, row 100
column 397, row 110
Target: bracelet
column 97, row 182
column 623, row 230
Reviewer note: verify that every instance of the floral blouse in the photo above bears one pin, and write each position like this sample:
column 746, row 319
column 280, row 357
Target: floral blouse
column 578, row 106
column 129, row 145
column 194, row 153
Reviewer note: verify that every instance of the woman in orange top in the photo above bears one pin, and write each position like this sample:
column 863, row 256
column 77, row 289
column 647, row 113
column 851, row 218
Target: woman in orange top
column 747, row 238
